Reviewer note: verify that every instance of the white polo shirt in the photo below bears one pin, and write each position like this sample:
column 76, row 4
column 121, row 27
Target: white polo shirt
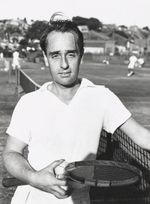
column 54, row 130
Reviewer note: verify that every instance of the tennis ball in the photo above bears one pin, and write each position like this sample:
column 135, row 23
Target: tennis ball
column 60, row 169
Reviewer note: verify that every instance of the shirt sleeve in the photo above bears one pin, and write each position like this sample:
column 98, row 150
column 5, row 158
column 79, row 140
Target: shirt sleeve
column 19, row 126
column 115, row 112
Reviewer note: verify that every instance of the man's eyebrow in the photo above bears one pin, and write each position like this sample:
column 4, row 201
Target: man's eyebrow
column 67, row 51
column 54, row 52
column 72, row 51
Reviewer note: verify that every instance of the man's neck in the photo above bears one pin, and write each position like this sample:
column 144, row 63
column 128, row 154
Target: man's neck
column 65, row 94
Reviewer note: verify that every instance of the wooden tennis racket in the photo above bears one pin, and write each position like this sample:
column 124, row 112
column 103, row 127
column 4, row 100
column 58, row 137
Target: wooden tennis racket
column 99, row 173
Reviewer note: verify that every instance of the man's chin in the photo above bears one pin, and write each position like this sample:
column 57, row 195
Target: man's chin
column 68, row 83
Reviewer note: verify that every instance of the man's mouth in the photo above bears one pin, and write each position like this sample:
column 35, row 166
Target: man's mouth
column 65, row 74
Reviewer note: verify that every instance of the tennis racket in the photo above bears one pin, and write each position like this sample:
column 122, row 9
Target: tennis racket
column 98, row 173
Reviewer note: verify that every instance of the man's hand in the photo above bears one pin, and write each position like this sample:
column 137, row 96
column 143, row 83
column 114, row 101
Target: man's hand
column 46, row 180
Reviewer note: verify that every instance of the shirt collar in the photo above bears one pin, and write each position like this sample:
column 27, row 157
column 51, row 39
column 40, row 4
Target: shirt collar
column 84, row 83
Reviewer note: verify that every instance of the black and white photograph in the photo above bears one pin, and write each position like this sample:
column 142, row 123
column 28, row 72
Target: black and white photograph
column 75, row 102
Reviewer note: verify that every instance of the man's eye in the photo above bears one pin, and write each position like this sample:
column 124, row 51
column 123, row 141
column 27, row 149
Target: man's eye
column 55, row 56
column 71, row 54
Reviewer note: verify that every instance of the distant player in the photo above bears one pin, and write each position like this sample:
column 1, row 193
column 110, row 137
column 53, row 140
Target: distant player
column 131, row 65
column 15, row 63
column 140, row 62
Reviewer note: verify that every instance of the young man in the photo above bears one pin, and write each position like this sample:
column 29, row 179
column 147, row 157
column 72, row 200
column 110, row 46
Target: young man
column 62, row 121
column 132, row 64
column 15, row 62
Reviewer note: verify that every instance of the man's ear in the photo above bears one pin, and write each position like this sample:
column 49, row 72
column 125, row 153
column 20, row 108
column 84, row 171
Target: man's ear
column 45, row 59
column 81, row 61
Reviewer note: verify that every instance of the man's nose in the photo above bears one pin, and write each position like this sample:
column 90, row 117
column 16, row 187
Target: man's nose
column 64, row 63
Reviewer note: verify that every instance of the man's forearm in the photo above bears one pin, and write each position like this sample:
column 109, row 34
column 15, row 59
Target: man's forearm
column 18, row 166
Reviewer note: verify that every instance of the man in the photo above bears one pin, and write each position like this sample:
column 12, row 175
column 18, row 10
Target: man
column 140, row 62
column 62, row 121
column 15, row 63
column 132, row 64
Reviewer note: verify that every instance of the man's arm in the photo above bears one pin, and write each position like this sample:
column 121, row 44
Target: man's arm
column 139, row 134
column 18, row 166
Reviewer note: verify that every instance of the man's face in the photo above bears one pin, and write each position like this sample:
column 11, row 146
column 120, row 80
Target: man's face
column 63, row 57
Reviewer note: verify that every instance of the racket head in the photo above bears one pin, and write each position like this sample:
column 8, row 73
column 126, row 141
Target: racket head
column 103, row 173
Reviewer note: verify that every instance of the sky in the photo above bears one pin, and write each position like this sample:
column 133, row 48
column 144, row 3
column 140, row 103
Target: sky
column 119, row 12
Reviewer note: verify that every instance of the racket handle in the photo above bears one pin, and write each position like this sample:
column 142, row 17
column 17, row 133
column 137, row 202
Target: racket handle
column 10, row 182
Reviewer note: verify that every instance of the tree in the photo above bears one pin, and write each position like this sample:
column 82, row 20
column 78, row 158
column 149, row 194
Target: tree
column 2, row 32
column 92, row 23
column 10, row 29
column 80, row 20
column 36, row 30
column 23, row 43
column 146, row 28
column 123, row 27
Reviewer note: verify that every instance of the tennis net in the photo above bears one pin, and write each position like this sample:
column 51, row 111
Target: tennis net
column 23, row 80
column 119, row 147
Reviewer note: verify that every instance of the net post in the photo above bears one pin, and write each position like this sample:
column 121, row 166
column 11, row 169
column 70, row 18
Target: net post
column 9, row 72
column 17, row 74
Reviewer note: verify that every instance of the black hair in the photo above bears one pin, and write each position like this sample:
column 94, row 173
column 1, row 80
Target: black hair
column 63, row 26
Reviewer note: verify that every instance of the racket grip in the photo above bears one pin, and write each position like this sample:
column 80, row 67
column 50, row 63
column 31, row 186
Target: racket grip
column 10, row 182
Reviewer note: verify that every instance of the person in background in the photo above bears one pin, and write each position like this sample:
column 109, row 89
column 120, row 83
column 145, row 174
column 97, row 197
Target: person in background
column 132, row 64
column 140, row 62
column 1, row 56
column 61, row 123
column 106, row 60
column 15, row 62
column 2, row 62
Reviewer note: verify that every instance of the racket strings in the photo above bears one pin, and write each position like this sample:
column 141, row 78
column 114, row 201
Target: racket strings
column 104, row 173
column 112, row 173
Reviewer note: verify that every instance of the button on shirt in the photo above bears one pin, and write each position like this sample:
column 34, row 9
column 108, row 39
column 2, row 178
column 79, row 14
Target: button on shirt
column 54, row 130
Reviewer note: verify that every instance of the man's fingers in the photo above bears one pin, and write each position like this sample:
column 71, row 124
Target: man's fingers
column 61, row 182
column 60, row 192
column 61, row 176
column 56, row 163
column 51, row 167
